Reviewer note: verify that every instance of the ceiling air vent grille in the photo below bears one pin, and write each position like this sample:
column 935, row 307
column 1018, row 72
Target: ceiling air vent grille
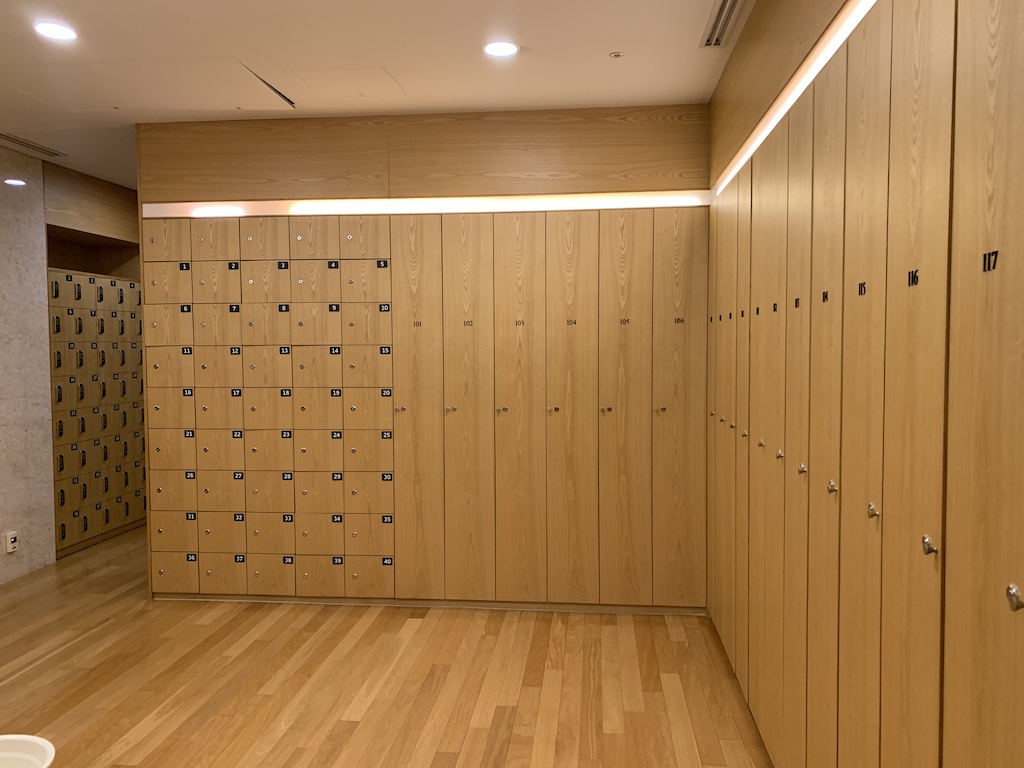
column 723, row 17
column 31, row 146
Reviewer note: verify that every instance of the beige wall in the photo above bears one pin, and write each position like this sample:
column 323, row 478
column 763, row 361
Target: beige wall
column 26, row 470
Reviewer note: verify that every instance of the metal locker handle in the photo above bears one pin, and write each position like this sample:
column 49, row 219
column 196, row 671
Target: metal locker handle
column 802, row 469
column 873, row 510
column 832, row 487
column 927, row 546
column 1013, row 595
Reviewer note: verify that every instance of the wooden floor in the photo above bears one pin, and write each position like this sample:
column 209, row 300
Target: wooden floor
column 113, row 678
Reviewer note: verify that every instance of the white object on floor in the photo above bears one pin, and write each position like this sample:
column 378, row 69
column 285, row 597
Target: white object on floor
column 18, row 751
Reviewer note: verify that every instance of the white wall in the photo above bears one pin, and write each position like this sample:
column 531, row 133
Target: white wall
column 26, row 455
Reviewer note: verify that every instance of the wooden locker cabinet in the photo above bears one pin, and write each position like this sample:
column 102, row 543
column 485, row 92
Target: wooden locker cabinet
column 217, row 324
column 222, row 449
column 270, row 491
column 318, row 407
column 173, row 489
column 366, row 408
column 369, row 576
column 214, row 239
column 217, row 407
column 267, row 449
column 266, row 324
column 315, row 281
column 267, row 366
column 364, row 237
column 319, row 534
column 267, row 408
column 264, row 238
column 173, row 532
column 267, row 282
column 167, row 282
column 366, row 280
column 320, row 493
column 369, row 450
column 313, row 237
column 365, row 366
column 166, row 240
column 315, row 323
column 369, row 534
column 215, row 282
column 174, row 573
column 319, row 450
column 222, row 573
column 218, row 366
column 366, row 323
column 271, row 574
column 318, row 366
column 270, row 532
column 221, row 531
column 320, row 575
column 220, row 490
column 172, row 448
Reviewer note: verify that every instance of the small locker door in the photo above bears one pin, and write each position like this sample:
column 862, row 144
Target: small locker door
column 172, row 449
column 366, row 323
column 266, row 282
column 313, row 237
column 319, row 450
column 173, row 532
column 369, row 450
column 315, row 324
column 364, row 366
column 217, row 324
column 167, row 282
column 221, row 490
column 371, row 576
column 366, row 280
column 267, row 366
column 218, row 408
column 266, row 408
column 169, row 367
column 269, row 491
column 318, row 408
column 369, row 408
column 319, row 534
column 270, row 532
column 268, row 449
column 215, row 240
column 220, row 449
column 320, row 576
column 264, row 238
column 315, row 281
column 218, row 366
column 172, row 489
column 216, row 282
column 165, row 240
column 266, row 324
column 221, row 531
column 365, row 237
column 369, row 534
column 318, row 366
column 320, row 493
column 271, row 575
column 369, row 492
column 175, row 573
column 222, row 573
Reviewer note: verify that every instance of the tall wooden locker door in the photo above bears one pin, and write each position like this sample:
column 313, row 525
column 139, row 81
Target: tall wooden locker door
column 711, row 412
column 869, row 52
column 572, row 407
column 827, row 248
column 468, row 269
column 418, row 359
column 519, row 415
column 798, row 414
column 724, row 447
column 679, row 399
column 740, row 659
column 626, row 282
column 770, row 175
column 984, row 623
column 915, row 383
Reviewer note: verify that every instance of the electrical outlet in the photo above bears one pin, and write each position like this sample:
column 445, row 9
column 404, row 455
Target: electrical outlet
column 11, row 539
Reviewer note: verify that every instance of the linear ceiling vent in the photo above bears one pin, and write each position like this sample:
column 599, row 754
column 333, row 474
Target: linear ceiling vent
column 721, row 22
column 31, row 146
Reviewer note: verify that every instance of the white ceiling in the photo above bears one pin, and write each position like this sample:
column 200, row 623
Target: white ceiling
column 138, row 61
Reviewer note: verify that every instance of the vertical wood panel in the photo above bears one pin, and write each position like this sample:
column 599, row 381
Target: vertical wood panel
column 827, row 255
column 770, row 171
column 860, row 573
column 572, row 433
column 711, row 411
column 915, row 368
column 418, row 328
column 626, row 275
column 679, row 459
column 521, row 468
column 798, row 364
column 984, row 648
column 740, row 661
column 468, row 268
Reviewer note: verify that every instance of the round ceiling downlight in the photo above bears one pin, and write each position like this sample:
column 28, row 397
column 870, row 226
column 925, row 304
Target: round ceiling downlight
column 501, row 49
column 14, row 182
column 55, row 31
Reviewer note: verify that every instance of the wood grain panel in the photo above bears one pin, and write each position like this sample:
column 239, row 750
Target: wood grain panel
column 777, row 37
column 915, row 392
column 984, row 639
column 740, row 660
column 798, row 414
column 262, row 160
column 82, row 203
column 549, row 152
column 869, row 52
column 626, row 269
column 468, row 269
column 572, row 433
column 711, row 412
column 827, row 253
column 519, row 408
column 769, row 213
column 679, row 457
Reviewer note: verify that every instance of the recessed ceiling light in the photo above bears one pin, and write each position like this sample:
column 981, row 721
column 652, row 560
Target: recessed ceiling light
column 55, row 31
column 14, row 182
column 501, row 48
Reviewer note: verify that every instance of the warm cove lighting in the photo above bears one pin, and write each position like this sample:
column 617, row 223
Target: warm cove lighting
column 14, row 182
column 501, row 49
column 838, row 32
column 423, row 205
column 55, row 31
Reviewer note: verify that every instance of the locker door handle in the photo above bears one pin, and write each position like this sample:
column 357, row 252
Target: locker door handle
column 873, row 510
column 60, row 394
column 58, row 359
column 927, row 546
column 56, row 289
column 832, row 487
column 1013, row 595
column 779, row 455
column 802, row 469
